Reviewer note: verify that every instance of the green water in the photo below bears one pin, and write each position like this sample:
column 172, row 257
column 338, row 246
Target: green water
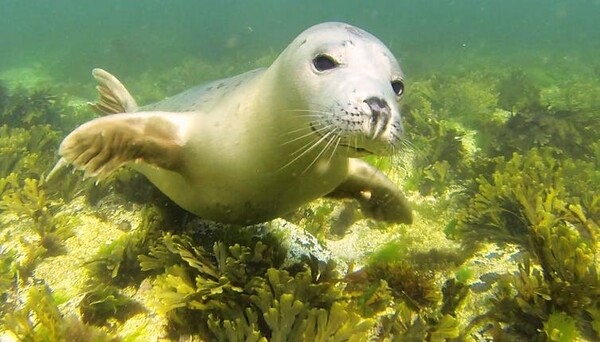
column 69, row 37
column 501, row 164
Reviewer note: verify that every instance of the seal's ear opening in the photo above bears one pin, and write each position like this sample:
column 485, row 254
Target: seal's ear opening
column 324, row 62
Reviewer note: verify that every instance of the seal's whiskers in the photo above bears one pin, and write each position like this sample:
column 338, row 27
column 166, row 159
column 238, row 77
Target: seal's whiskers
column 303, row 128
column 337, row 144
column 327, row 145
column 324, row 128
column 307, row 148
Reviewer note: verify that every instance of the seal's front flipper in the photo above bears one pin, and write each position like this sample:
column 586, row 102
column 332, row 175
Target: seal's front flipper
column 114, row 97
column 378, row 196
column 102, row 145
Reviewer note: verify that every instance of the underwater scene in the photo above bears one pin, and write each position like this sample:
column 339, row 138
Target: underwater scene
column 463, row 206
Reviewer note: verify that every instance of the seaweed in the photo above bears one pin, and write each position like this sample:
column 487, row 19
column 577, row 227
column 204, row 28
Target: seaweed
column 568, row 131
column 407, row 282
column 507, row 202
column 117, row 262
column 244, row 291
column 535, row 201
column 30, row 153
column 404, row 296
column 316, row 218
column 24, row 108
column 436, row 322
column 296, row 308
column 4, row 96
column 27, row 152
column 561, row 327
column 30, row 134
column 8, row 279
column 564, row 118
column 102, row 302
column 114, row 266
column 470, row 99
column 524, row 301
column 518, row 92
column 393, row 272
column 405, row 324
column 40, row 320
column 577, row 94
column 29, row 201
column 440, row 158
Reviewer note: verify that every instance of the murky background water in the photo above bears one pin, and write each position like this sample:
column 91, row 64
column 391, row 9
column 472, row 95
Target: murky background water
column 69, row 37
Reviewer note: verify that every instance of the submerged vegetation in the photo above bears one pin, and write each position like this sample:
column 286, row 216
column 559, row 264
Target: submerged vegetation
column 512, row 157
column 246, row 293
column 529, row 177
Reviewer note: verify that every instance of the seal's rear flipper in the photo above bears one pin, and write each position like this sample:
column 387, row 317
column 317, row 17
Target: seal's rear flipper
column 102, row 145
column 114, row 97
column 378, row 196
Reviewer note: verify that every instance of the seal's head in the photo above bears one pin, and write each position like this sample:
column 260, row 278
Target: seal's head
column 348, row 84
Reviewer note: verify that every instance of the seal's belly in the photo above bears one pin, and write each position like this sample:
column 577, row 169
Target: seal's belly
column 238, row 197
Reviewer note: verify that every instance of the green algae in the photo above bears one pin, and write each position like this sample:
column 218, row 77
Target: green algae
column 561, row 327
column 30, row 202
column 40, row 320
column 246, row 286
column 27, row 152
column 527, row 178
column 104, row 302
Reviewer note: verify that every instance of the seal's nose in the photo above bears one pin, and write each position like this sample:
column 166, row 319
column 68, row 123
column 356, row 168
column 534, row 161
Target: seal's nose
column 380, row 115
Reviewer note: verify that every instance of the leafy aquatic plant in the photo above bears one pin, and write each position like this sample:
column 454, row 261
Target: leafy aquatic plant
column 294, row 308
column 562, row 117
column 326, row 218
column 244, row 291
column 405, row 298
column 8, row 279
column 115, row 265
column 525, row 304
column 569, row 131
column 4, row 95
column 24, row 108
column 27, row 152
column 117, row 262
column 40, row 320
column 548, row 207
column 407, row 282
column 505, row 205
column 561, row 327
column 470, row 99
column 577, row 94
column 29, row 201
column 518, row 91
column 439, row 152
column 102, row 302
column 406, row 324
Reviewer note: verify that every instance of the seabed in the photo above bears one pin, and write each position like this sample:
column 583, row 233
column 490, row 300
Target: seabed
column 501, row 166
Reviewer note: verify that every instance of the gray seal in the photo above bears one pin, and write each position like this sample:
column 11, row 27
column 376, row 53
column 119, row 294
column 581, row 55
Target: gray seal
column 256, row 146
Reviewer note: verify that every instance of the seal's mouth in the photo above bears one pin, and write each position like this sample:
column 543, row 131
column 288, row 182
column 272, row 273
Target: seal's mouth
column 359, row 150
column 355, row 149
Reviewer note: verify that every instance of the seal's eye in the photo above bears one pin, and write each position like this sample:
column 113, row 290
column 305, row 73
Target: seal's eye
column 398, row 87
column 324, row 62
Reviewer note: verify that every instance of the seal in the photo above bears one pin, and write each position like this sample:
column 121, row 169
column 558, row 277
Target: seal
column 256, row 146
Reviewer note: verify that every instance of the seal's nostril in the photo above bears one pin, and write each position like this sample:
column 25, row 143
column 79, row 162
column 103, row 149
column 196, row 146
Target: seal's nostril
column 377, row 104
column 380, row 115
